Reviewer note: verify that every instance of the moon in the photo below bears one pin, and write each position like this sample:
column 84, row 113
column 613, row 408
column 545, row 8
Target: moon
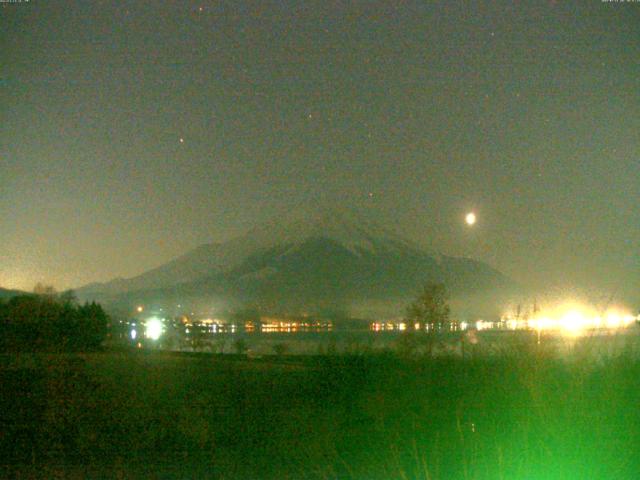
column 470, row 218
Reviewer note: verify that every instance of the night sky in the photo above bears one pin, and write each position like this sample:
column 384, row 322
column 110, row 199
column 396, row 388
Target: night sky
column 132, row 131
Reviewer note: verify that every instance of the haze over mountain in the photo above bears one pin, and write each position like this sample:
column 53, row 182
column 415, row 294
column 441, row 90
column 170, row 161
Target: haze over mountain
column 312, row 260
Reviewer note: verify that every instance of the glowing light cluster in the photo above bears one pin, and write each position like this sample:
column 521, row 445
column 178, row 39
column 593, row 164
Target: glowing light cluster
column 573, row 320
column 482, row 325
column 387, row 326
column 154, row 328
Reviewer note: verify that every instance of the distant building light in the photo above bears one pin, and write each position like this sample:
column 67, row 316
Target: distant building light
column 154, row 328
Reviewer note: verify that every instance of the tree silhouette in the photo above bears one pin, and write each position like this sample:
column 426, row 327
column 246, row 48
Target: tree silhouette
column 51, row 323
column 41, row 289
column 430, row 308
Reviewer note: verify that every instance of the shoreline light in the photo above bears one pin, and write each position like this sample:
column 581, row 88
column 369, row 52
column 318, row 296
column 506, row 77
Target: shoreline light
column 572, row 320
column 153, row 328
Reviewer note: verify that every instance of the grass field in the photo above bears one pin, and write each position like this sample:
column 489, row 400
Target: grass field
column 524, row 415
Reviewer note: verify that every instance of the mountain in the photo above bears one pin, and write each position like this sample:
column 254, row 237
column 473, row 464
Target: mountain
column 310, row 260
column 202, row 261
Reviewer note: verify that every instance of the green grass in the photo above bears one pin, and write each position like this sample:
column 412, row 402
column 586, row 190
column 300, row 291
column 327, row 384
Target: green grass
column 158, row 415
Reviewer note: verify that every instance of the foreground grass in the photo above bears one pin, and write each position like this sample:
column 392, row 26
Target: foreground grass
column 159, row 415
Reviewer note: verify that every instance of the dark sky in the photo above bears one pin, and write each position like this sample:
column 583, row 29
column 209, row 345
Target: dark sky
column 417, row 112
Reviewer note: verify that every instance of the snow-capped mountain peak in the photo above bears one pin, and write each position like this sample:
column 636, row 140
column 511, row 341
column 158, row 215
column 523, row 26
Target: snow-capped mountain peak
column 347, row 227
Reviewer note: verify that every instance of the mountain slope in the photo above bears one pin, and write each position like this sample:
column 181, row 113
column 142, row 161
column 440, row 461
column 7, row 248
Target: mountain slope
column 321, row 273
column 326, row 259
column 340, row 225
column 202, row 261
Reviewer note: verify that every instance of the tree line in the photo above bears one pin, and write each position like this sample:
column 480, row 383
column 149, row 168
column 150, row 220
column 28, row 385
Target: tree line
column 51, row 322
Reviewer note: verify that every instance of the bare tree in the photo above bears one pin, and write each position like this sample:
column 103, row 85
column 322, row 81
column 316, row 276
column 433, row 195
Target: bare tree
column 430, row 308
column 41, row 289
